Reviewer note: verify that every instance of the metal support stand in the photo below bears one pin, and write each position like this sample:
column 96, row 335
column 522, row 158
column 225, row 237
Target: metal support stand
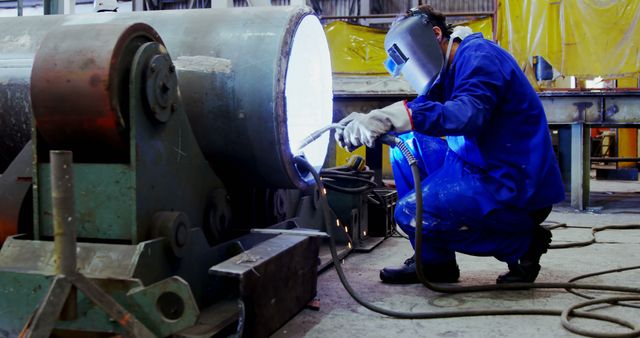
column 580, row 166
column 60, row 301
column 52, row 7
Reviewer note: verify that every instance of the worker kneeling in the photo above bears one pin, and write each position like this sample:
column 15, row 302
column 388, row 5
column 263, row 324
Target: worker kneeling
column 490, row 185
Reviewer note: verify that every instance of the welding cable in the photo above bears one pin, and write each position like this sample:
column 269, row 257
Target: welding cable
column 352, row 174
column 363, row 179
column 594, row 230
column 565, row 314
column 356, row 190
column 462, row 313
column 316, row 134
column 600, row 273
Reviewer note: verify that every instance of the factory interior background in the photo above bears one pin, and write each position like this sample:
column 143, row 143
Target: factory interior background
column 158, row 178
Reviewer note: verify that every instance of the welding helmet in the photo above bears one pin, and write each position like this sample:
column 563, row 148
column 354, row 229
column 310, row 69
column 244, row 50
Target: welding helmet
column 413, row 51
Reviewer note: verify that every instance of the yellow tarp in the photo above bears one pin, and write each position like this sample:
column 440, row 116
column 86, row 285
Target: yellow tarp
column 360, row 50
column 582, row 38
column 601, row 37
column 356, row 49
column 484, row 26
column 529, row 27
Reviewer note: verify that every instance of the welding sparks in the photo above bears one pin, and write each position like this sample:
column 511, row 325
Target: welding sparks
column 349, row 245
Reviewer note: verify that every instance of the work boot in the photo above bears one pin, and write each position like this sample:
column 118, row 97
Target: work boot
column 447, row 272
column 527, row 268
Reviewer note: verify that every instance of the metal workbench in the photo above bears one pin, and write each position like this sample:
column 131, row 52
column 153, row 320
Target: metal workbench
column 580, row 110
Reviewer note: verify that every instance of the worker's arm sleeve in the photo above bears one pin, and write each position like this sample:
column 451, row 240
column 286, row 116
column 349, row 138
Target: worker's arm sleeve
column 436, row 93
column 478, row 81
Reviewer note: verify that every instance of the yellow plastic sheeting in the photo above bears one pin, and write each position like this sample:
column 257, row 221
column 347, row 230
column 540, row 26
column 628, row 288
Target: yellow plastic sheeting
column 530, row 27
column 484, row 26
column 356, row 49
column 627, row 82
column 582, row 38
column 342, row 157
column 360, row 50
column 601, row 37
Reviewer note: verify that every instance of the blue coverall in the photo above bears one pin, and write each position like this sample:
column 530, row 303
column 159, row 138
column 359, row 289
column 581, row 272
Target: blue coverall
column 496, row 167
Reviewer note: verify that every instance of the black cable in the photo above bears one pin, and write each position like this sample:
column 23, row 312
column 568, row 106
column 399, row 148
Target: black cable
column 363, row 180
column 599, row 273
column 338, row 188
column 594, row 230
column 351, row 178
column 461, row 313
column 564, row 314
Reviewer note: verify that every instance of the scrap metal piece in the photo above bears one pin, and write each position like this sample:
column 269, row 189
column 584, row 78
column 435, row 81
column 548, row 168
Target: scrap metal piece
column 309, row 233
column 295, row 257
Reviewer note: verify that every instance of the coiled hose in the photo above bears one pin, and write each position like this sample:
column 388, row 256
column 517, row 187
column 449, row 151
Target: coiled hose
column 565, row 314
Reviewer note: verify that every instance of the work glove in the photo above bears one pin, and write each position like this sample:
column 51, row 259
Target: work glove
column 363, row 129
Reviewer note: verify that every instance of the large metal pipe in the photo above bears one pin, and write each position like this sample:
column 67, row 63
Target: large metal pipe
column 237, row 72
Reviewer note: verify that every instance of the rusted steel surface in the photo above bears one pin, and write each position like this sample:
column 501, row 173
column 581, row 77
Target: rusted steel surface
column 15, row 200
column 15, row 108
column 96, row 74
column 64, row 218
column 288, row 264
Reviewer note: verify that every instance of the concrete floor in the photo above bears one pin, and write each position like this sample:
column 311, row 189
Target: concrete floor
column 613, row 202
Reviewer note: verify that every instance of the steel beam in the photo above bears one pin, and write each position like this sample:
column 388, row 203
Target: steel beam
column 581, row 110
column 580, row 166
column 221, row 3
column 52, row 7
